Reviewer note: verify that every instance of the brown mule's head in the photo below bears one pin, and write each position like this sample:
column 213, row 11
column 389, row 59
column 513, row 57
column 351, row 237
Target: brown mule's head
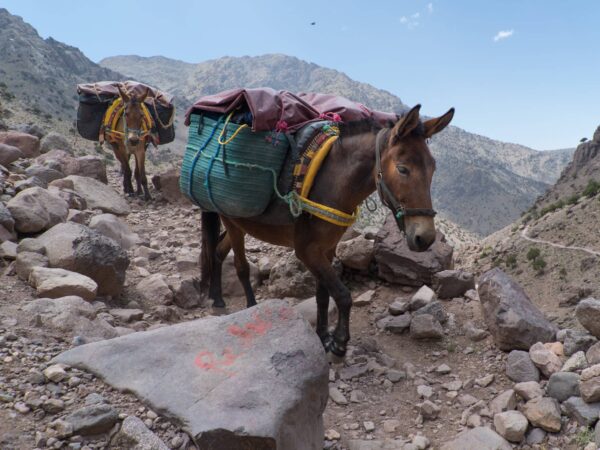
column 133, row 115
column 405, row 173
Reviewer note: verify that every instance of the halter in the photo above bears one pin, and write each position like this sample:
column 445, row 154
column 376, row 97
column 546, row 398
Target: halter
column 387, row 197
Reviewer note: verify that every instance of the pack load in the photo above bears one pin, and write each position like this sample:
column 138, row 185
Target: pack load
column 251, row 149
column 95, row 100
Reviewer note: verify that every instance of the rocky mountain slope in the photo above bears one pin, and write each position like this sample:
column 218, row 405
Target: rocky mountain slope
column 481, row 184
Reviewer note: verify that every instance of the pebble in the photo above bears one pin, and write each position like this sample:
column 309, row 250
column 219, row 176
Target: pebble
column 369, row 426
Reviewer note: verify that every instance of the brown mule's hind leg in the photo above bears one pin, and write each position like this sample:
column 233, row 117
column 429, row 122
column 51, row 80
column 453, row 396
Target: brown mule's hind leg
column 322, row 297
column 215, row 289
column 236, row 237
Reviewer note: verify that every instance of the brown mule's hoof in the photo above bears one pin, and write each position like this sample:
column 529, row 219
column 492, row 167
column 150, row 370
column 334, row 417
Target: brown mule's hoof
column 333, row 348
column 218, row 304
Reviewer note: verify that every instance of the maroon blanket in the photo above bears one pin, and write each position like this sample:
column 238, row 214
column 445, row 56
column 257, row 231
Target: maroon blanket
column 284, row 111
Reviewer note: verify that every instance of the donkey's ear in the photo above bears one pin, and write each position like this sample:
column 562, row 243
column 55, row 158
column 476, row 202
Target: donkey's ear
column 144, row 95
column 433, row 126
column 123, row 93
column 406, row 124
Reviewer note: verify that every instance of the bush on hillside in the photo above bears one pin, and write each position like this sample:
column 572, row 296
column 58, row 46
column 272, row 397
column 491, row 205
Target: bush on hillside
column 592, row 188
column 533, row 253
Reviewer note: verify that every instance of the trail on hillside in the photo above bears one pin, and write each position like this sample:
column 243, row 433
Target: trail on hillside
column 552, row 244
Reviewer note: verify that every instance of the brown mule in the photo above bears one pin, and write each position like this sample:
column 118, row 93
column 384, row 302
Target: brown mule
column 128, row 139
column 396, row 161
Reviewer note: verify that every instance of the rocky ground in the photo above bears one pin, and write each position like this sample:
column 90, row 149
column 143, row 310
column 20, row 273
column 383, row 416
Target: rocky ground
column 426, row 368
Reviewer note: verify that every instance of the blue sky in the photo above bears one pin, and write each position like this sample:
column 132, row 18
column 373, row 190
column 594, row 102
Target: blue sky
column 524, row 71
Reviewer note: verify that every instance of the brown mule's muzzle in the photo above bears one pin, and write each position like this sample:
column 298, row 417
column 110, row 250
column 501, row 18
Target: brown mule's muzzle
column 420, row 233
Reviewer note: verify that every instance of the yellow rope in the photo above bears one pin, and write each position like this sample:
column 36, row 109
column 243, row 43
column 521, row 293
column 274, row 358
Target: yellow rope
column 240, row 128
column 327, row 213
column 115, row 111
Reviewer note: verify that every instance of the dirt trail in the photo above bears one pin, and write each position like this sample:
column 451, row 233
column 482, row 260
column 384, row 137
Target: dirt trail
column 552, row 244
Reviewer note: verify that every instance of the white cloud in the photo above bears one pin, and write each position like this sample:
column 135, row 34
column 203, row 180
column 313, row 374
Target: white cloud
column 430, row 7
column 403, row 19
column 416, row 15
column 504, row 34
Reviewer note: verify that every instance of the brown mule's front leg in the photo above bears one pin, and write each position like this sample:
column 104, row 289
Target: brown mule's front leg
column 140, row 173
column 123, row 158
column 322, row 298
column 242, row 268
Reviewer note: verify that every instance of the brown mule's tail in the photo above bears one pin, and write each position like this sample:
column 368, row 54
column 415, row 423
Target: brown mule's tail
column 211, row 227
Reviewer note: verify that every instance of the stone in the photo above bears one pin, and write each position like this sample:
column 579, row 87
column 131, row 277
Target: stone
column 259, row 377
column 374, row 444
column 232, row 287
column 28, row 144
column 576, row 362
column 397, row 324
column 588, row 314
column 353, row 371
column 92, row 167
column 92, row 419
column 452, row 283
column 544, row 359
column 111, row 226
column 398, row 264
column 434, row 309
column 543, row 412
column 46, row 174
column 506, row 401
column 154, row 290
column 75, row 247
column 127, row 315
column 479, row 438
column 336, row 396
column 511, row 425
column 356, row 253
column 425, row 326
column 597, row 433
column 6, row 218
column 424, row 391
column 55, row 141
column 99, row 196
column 9, row 154
column 586, row 414
column 513, row 320
column 421, row 298
column 364, row 299
column 168, row 184
column 55, row 283
column 308, row 309
column 134, row 435
column 35, row 210
column 563, row 385
column 593, row 354
column 27, row 261
column 398, row 307
column 55, row 373
column 520, row 367
column 187, row 261
column 8, row 250
column 391, row 425
column 576, row 341
column 429, row 410
column 30, row 182
column 31, row 245
column 528, row 390
column 485, row 381
column 589, row 385
column 186, row 292
column 290, row 278
column 536, row 436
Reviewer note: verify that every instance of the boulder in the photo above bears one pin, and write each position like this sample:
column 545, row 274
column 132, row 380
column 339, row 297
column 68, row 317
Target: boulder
column 593, row 354
column 588, row 314
column 8, row 250
column 168, row 184
column 75, row 247
column 99, row 196
column 422, row 297
column 28, row 144
column 27, row 261
column 154, row 291
column 520, row 367
column 398, row 264
column 92, row 419
column 528, row 390
column 30, row 182
column 232, row 287
column 356, row 253
column 511, row 425
column 478, row 438
column 56, row 283
column 9, row 154
column 134, row 435
column 589, row 385
column 512, row 319
column 46, row 174
column 257, row 378
column 425, row 326
column 576, row 362
column 60, row 160
column 543, row 412
column 111, row 226
column 586, row 414
column 290, row 278
column 92, row 167
column 186, row 292
column 563, row 385
column 35, row 210
column 576, row 341
column 73, row 199
column 505, row 401
column 452, row 283
column 6, row 219
column 55, row 141
column 544, row 359
column 435, row 309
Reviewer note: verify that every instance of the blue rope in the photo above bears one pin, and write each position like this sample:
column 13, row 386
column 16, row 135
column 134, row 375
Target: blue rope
column 195, row 161
column 207, row 179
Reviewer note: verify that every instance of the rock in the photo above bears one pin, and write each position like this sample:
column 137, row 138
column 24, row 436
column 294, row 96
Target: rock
column 425, row 391
column 398, row 264
column 289, row 278
column 127, row 315
column 93, row 419
column 473, row 333
column 388, row 444
column 520, row 367
column 356, row 253
column 485, row 381
column 75, row 247
column 73, row 199
column 55, row 283
column 563, row 385
column 111, row 226
column 544, row 359
column 35, row 210
column 9, row 154
column 511, row 425
column 168, row 183
column 543, row 412
column 8, row 250
column 232, row 287
column 589, row 385
column 506, row 401
column 92, row 167
column 576, row 341
column 30, row 182
column 28, row 144
column 336, row 396
column 429, row 410
column 479, row 438
column 421, row 298
column 353, row 371
column 588, row 314
column 55, row 141
column 187, row 261
column 397, row 324
column 576, row 362
column 435, row 309
column 364, row 299
column 308, row 309
column 398, row 307
column 27, row 261
column 257, row 376
column 31, row 245
column 586, row 414
column 536, row 436
column 55, row 373
column 452, row 283
column 528, row 390
column 6, row 218
column 425, row 326
column 6, row 235
column 512, row 319
column 99, row 196
column 155, row 290
column 134, row 435
column 46, row 174
column 593, row 354
column 186, row 293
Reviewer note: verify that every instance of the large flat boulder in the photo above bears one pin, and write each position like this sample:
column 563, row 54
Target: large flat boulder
column 168, row 184
column 588, row 314
column 513, row 320
column 9, row 154
column 27, row 143
column 398, row 264
column 99, row 196
column 35, row 209
column 75, row 247
column 254, row 379
column 56, row 283
column 479, row 438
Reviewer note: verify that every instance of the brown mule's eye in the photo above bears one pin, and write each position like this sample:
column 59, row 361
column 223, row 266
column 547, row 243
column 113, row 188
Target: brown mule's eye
column 403, row 170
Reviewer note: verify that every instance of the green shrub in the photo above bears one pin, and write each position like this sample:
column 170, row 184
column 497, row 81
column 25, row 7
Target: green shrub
column 592, row 188
column 552, row 207
column 562, row 273
column 486, row 252
column 572, row 199
column 533, row 253
column 538, row 264
column 511, row 261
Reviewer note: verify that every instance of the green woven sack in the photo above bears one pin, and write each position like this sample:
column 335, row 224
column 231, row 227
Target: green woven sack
column 236, row 179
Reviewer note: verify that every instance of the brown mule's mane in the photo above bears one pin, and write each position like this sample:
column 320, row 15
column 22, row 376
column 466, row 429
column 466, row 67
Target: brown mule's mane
column 356, row 127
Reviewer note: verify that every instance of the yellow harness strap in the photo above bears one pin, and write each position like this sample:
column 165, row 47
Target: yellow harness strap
column 113, row 115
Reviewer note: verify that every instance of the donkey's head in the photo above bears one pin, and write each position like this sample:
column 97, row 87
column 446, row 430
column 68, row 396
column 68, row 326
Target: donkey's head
column 133, row 115
column 405, row 173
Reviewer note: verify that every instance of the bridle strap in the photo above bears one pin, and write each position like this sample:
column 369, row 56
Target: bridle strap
column 387, row 197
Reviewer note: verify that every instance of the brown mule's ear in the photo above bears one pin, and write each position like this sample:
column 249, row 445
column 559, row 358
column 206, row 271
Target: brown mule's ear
column 433, row 126
column 143, row 97
column 123, row 93
column 405, row 125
